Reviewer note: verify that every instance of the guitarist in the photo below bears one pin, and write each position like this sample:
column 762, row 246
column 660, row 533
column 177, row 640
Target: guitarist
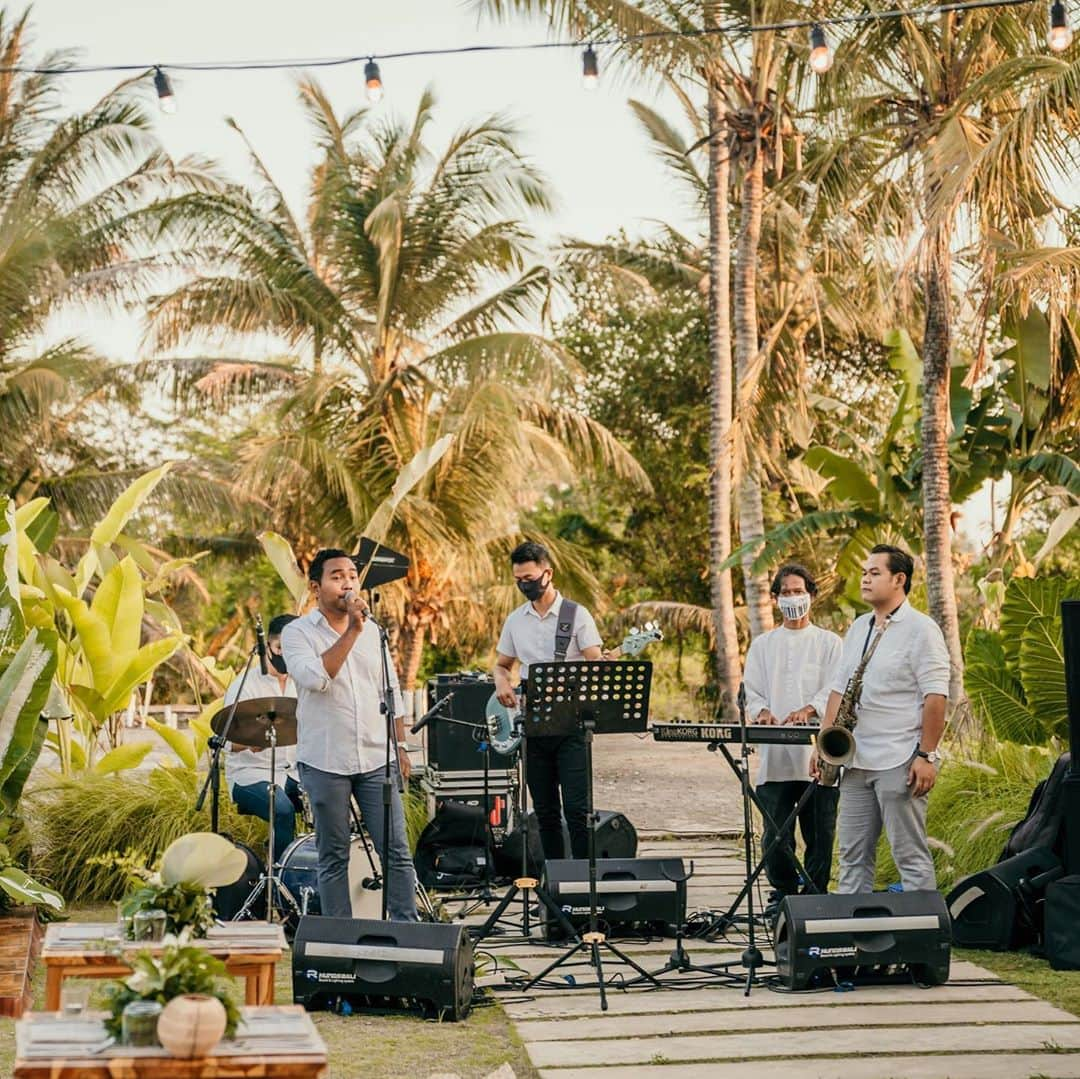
column 548, row 627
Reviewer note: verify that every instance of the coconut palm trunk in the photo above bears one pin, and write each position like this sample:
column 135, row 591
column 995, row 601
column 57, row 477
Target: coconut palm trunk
column 937, row 500
column 751, row 510
column 410, row 652
column 728, row 667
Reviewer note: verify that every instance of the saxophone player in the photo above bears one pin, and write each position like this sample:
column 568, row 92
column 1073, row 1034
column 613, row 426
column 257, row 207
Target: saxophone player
column 901, row 716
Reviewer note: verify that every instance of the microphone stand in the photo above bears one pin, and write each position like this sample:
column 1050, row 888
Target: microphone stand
column 217, row 743
column 387, row 708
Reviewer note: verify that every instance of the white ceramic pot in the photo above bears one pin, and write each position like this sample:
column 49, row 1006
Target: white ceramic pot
column 191, row 1025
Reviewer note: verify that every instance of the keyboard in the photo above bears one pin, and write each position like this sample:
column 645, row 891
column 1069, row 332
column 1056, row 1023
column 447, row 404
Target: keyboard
column 756, row 733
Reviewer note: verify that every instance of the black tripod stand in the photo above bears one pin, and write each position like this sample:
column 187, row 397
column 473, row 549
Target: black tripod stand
column 589, row 696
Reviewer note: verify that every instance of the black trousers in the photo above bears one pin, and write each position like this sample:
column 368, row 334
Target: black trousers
column 551, row 764
column 817, row 822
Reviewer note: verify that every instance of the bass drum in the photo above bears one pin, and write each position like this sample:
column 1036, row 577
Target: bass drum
column 300, row 882
column 229, row 898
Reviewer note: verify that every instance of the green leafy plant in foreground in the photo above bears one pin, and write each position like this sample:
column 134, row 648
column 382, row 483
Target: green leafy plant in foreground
column 177, row 969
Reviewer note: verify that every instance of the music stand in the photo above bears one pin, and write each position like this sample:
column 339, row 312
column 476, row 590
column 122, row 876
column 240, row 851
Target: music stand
column 589, row 697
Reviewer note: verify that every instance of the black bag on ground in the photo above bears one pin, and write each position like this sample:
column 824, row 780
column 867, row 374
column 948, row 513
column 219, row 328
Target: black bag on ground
column 1044, row 823
column 1063, row 923
column 452, row 850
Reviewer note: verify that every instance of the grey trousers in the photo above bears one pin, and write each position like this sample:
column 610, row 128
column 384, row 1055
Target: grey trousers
column 329, row 795
column 868, row 800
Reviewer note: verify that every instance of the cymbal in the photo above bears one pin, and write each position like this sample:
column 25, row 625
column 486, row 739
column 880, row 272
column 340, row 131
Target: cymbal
column 253, row 718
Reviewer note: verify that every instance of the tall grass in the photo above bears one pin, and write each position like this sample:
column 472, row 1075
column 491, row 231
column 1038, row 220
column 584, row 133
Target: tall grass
column 973, row 807
column 78, row 819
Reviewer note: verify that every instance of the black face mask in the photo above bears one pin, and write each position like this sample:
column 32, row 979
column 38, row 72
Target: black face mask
column 277, row 662
column 534, row 589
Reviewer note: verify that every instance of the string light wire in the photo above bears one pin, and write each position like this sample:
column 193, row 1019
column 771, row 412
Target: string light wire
column 729, row 30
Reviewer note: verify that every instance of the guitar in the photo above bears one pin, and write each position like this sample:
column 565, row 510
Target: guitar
column 501, row 720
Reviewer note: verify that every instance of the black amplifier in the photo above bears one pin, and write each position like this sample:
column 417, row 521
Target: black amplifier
column 867, row 933
column 455, row 736
column 371, row 964
column 629, row 891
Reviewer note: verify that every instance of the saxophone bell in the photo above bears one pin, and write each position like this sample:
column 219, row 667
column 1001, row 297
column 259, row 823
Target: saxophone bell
column 836, row 750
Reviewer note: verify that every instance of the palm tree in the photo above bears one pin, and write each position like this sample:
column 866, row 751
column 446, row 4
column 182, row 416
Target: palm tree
column 966, row 115
column 78, row 221
column 402, row 290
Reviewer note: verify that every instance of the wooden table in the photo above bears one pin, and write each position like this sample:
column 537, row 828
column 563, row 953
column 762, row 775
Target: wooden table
column 273, row 1043
column 250, row 950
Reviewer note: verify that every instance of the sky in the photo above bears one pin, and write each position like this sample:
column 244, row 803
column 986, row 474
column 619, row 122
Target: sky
column 588, row 143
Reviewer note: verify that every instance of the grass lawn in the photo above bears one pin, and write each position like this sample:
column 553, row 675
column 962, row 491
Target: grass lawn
column 1060, row 987
column 372, row 1046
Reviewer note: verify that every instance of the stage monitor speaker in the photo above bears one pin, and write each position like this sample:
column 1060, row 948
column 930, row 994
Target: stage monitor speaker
column 862, row 933
column 1063, row 923
column 629, row 891
column 455, row 746
column 1001, row 908
column 369, row 963
column 616, row 837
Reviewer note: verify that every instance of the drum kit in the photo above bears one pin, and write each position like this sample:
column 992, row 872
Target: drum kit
column 288, row 889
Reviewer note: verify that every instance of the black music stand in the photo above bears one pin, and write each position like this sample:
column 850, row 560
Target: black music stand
column 589, row 696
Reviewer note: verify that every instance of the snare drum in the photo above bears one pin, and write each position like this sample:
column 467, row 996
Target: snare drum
column 300, row 882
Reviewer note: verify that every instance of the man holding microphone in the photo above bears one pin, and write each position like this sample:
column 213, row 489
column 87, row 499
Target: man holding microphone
column 334, row 655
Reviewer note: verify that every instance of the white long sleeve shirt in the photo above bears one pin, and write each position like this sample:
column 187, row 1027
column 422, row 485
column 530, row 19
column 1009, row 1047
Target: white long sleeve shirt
column 787, row 669
column 253, row 765
column 340, row 726
column 910, row 662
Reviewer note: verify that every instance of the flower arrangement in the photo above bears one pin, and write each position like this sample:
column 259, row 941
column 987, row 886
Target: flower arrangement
column 179, row 968
column 191, row 867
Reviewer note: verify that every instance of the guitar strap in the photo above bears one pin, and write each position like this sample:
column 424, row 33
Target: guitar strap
column 564, row 629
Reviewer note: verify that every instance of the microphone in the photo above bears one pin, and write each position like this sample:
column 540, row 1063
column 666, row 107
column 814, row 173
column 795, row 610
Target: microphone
column 260, row 645
column 429, row 715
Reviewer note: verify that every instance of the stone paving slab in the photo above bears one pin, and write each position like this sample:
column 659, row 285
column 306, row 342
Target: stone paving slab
column 880, row 1041
column 581, row 1002
column 968, row 1066
column 806, row 1018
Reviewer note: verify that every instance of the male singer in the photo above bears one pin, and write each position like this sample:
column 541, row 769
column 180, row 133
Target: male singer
column 335, row 656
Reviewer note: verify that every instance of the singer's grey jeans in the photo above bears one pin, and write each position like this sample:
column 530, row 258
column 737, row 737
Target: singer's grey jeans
column 869, row 800
column 329, row 795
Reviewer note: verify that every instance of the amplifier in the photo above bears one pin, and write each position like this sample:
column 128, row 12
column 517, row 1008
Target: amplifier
column 818, row 933
column 371, row 963
column 628, row 891
column 1001, row 908
column 455, row 746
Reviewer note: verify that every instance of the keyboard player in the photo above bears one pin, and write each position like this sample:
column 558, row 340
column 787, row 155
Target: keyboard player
column 787, row 682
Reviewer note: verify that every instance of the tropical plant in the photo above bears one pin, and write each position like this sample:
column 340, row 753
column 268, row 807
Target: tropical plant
column 422, row 419
column 1015, row 673
column 177, row 969
column 28, row 663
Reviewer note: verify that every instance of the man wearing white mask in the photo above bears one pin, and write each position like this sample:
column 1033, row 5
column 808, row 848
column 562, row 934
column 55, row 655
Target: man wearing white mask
column 787, row 681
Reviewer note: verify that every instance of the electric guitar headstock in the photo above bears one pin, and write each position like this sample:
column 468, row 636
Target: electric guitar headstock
column 637, row 640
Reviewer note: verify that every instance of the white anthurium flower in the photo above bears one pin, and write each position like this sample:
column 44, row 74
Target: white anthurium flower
column 202, row 858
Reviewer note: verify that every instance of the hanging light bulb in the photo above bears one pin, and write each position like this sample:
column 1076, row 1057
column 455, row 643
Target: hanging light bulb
column 590, row 69
column 820, row 54
column 166, row 97
column 1059, row 37
column 373, row 82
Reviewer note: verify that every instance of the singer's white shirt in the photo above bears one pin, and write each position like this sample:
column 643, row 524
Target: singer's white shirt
column 340, row 726
column 787, row 669
column 253, row 765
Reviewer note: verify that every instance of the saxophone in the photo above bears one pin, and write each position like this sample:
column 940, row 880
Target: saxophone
column 836, row 743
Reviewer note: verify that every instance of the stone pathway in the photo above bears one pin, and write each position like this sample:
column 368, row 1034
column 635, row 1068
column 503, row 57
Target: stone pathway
column 976, row 1027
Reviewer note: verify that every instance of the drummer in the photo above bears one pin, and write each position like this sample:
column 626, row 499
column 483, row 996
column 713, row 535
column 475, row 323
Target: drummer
column 247, row 769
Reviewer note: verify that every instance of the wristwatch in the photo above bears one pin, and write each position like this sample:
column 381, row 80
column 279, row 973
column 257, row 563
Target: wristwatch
column 933, row 756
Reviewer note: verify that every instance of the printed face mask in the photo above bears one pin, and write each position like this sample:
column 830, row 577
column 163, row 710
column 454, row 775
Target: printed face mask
column 794, row 607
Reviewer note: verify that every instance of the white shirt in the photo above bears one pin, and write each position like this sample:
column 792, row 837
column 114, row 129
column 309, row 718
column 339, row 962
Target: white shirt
column 529, row 636
column 911, row 661
column 787, row 669
column 253, row 765
column 341, row 727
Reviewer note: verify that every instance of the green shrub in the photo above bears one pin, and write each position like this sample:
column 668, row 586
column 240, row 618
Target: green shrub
column 87, row 816
column 972, row 809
